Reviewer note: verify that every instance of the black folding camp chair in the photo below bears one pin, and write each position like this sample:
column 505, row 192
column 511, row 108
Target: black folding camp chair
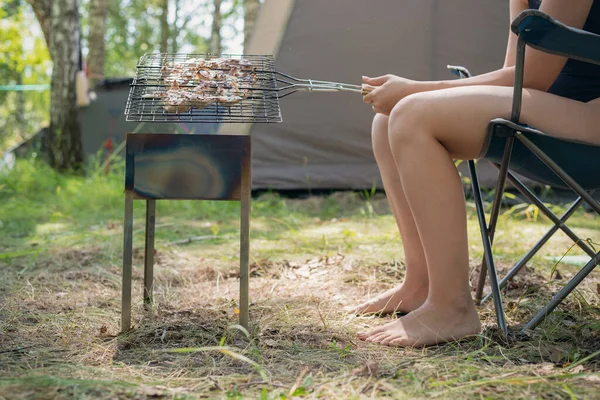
column 516, row 148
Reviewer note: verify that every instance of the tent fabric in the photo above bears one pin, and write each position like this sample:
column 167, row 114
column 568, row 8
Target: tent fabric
column 324, row 139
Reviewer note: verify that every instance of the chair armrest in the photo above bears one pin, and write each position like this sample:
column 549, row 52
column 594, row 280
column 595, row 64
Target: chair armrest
column 461, row 72
column 546, row 34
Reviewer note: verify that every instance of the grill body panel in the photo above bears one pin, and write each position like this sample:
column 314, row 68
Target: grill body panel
column 185, row 167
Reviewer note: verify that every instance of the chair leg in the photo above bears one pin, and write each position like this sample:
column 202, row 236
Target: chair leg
column 127, row 263
column 559, row 224
column 495, row 208
column 149, row 252
column 519, row 265
column 563, row 293
column 491, row 226
column 573, row 283
column 245, row 243
column 483, row 266
column 489, row 257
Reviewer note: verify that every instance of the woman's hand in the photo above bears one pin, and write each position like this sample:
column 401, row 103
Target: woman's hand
column 385, row 91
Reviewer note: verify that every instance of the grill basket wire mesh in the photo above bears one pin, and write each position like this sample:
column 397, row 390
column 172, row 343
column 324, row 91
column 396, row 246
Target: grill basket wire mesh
column 145, row 105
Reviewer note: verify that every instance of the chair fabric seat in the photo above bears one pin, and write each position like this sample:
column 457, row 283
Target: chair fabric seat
column 579, row 160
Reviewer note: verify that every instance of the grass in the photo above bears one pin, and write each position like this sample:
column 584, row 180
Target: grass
column 60, row 256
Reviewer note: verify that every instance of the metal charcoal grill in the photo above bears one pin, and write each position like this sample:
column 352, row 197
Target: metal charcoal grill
column 261, row 104
column 197, row 167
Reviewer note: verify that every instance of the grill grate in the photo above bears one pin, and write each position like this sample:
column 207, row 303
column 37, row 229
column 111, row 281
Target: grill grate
column 145, row 103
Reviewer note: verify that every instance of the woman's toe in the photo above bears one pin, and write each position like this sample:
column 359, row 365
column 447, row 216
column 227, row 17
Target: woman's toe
column 364, row 335
column 398, row 342
column 378, row 338
column 389, row 339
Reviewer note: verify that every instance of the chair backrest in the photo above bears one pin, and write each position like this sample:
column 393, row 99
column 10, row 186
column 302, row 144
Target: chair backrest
column 580, row 160
column 544, row 32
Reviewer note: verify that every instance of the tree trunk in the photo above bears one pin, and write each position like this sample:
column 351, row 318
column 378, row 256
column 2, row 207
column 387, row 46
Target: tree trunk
column 63, row 140
column 215, row 35
column 164, row 26
column 98, row 11
column 251, row 8
column 42, row 10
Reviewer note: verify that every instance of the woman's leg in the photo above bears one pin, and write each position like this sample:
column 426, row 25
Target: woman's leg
column 411, row 294
column 426, row 131
column 399, row 298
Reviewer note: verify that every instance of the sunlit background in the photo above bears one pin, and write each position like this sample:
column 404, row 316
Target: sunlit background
column 132, row 29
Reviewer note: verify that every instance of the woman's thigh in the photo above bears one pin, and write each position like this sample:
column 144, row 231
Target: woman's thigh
column 459, row 117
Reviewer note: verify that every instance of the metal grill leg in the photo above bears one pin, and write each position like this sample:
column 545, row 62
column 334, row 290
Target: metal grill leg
column 127, row 263
column 245, row 242
column 149, row 252
column 563, row 293
column 489, row 257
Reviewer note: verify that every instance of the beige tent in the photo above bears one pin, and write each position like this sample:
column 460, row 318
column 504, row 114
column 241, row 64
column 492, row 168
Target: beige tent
column 324, row 140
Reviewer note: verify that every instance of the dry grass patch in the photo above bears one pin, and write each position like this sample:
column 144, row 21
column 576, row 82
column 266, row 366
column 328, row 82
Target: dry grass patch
column 60, row 313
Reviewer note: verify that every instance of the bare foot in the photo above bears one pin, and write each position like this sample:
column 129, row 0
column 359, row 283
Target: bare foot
column 401, row 299
column 428, row 325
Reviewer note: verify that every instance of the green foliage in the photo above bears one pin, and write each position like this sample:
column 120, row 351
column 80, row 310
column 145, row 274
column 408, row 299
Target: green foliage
column 34, row 193
column 37, row 202
column 10, row 42
column 132, row 30
column 25, row 61
column 340, row 349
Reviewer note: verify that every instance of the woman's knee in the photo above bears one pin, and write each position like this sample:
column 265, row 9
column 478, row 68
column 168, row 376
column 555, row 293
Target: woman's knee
column 379, row 135
column 408, row 119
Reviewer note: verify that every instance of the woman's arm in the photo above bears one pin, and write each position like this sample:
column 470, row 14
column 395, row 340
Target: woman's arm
column 516, row 8
column 541, row 69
